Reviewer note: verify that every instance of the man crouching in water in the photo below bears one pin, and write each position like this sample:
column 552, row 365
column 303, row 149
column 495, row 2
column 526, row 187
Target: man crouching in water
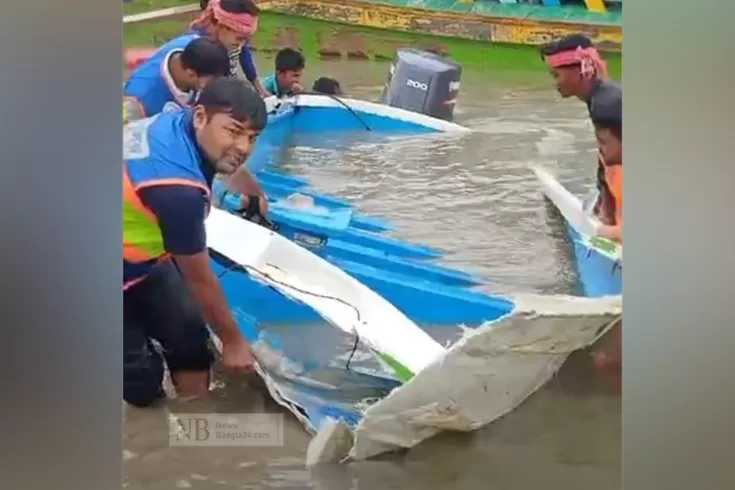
column 170, row 293
column 579, row 72
column 607, row 118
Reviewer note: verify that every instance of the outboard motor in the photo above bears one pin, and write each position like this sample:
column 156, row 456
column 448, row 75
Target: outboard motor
column 424, row 82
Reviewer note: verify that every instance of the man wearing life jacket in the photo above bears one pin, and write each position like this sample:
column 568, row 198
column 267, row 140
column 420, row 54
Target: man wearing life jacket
column 169, row 80
column 607, row 118
column 233, row 23
column 170, row 293
column 172, row 75
column 580, row 72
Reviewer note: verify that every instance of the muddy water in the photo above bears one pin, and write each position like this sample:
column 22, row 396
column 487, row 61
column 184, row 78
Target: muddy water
column 474, row 197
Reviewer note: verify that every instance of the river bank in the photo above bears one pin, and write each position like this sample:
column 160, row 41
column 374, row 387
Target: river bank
column 326, row 40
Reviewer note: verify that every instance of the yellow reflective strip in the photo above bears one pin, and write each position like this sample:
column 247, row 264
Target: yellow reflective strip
column 140, row 231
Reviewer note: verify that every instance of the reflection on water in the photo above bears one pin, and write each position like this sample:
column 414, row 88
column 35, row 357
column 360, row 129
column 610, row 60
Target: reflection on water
column 473, row 196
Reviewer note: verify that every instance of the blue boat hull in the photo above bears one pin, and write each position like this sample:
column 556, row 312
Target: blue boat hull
column 335, row 236
column 398, row 270
column 598, row 274
column 424, row 302
column 316, row 386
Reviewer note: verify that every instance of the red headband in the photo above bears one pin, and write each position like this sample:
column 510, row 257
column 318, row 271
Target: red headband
column 242, row 23
column 588, row 58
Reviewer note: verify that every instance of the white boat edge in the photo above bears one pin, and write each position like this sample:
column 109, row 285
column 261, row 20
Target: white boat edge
column 313, row 100
column 160, row 14
column 335, row 295
column 485, row 375
column 571, row 208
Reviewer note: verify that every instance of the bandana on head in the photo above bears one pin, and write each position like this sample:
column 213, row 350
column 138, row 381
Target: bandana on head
column 588, row 60
column 242, row 23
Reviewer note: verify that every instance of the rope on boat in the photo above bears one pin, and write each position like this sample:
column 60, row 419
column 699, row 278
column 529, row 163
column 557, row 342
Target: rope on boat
column 342, row 103
column 247, row 269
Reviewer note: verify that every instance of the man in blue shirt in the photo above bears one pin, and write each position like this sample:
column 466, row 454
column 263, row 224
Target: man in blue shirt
column 233, row 23
column 286, row 81
column 172, row 75
column 169, row 79
column 170, row 291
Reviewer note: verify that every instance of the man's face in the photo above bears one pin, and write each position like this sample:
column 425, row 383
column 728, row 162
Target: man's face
column 567, row 80
column 611, row 147
column 226, row 141
column 229, row 38
column 289, row 78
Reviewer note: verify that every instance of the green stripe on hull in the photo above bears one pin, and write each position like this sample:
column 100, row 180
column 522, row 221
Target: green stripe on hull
column 604, row 244
column 402, row 372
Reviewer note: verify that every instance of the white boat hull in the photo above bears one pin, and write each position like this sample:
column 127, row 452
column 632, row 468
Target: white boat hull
column 484, row 376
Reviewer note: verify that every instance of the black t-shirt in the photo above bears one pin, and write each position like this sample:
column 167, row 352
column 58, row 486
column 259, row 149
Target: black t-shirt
column 602, row 91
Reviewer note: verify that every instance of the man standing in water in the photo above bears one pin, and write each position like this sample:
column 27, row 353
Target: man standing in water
column 580, row 72
column 169, row 162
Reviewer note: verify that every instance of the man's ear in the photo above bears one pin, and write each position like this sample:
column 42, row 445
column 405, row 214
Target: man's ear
column 199, row 117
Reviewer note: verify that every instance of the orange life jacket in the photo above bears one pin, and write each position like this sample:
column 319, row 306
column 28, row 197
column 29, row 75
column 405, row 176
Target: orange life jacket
column 614, row 180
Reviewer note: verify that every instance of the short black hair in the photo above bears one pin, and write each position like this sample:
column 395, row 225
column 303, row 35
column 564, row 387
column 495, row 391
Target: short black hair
column 206, row 57
column 289, row 59
column 607, row 112
column 239, row 7
column 326, row 85
column 235, row 97
column 567, row 43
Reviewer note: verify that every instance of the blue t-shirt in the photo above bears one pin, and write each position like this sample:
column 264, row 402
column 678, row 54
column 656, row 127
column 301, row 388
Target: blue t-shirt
column 270, row 83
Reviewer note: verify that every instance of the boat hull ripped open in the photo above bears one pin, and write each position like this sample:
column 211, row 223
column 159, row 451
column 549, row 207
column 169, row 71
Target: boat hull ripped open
column 413, row 387
column 489, row 372
column 599, row 262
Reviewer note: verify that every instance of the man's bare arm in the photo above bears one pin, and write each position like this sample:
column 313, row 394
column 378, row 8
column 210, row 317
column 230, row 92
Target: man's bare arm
column 243, row 182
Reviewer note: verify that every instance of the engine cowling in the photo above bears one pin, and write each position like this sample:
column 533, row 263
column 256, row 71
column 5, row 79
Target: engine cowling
column 424, row 82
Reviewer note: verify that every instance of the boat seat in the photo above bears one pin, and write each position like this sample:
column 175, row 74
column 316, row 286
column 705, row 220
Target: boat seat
column 330, row 223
